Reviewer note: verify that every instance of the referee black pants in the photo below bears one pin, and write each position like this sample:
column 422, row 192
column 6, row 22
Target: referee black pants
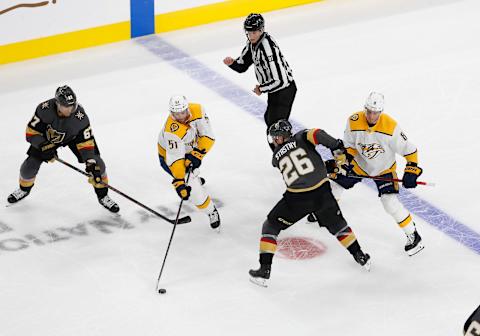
column 279, row 104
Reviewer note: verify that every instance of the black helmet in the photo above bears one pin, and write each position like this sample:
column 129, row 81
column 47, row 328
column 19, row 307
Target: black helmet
column 281, row 128
column 65, row 96
column 254, row 22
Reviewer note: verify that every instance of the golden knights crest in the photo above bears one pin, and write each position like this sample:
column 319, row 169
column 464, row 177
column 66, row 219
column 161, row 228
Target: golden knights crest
column 371, row 151
column 54, row 136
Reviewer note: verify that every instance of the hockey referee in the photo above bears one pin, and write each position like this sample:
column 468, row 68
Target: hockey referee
column 271, row 69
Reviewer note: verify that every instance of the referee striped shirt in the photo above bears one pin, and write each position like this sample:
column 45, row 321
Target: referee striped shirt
column 271, row 69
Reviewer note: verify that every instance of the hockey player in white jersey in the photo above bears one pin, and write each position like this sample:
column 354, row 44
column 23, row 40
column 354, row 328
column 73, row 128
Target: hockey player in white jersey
column 373, row 139
column 182, row 144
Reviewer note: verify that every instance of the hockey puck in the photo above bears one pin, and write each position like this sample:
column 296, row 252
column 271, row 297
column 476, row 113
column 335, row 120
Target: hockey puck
column 162, row 291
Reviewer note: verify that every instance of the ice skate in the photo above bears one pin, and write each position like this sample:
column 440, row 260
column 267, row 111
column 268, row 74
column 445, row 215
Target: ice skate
column 109, row 204
column 363, row 259
column 214, row 218
column 17, row 195
column 260, row 276
column 414, row 244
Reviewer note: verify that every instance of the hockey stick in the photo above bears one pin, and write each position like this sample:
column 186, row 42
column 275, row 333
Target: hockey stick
column 182, row 220
column 386, row 179
column 163, row 290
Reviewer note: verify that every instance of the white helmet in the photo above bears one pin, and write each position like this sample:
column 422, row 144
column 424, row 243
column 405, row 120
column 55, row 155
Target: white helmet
column 375, row 102
column 178, row 103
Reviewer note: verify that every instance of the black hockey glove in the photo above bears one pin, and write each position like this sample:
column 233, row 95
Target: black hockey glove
column 93, row 168
column 182, row 189
column 331, row 166
column 48, row 151
column 410, row 175
column 194, row 158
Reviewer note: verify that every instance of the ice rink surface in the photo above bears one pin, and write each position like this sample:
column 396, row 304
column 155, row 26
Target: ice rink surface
column 70, row 268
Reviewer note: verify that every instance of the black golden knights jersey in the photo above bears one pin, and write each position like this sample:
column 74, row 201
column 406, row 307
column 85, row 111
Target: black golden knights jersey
column 301, row 165
column 74, row 131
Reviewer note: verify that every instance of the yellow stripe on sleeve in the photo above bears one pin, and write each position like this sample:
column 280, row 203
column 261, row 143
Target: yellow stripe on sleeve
column 412, row 157
column 89, row 144
column 205, row 143
column 311, row 136
column 31, row 132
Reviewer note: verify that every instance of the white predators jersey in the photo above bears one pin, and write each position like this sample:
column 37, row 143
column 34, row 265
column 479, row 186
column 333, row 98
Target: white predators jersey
column 177, row 139
column 374, row 148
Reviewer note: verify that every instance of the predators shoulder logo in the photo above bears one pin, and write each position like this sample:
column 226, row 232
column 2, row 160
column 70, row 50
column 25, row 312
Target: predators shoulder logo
column 354, row 117
column 174, row 127
column 371, row 151
column 54, row 136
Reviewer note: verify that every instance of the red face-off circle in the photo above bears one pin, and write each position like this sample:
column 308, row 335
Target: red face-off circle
column 299, row 248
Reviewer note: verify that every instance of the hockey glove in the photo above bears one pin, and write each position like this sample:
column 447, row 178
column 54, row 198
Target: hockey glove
column 342, row 158
column 343, row 161
column 332, row 168
column 182, row 189
column 194, row 158
column 93, row 168
column 410, row 175
column 48, row 151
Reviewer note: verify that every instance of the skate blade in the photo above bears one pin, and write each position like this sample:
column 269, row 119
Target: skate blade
column 8, row 204
column 415, row 250
column 115, row 215
column 259, row 281
column 217, row 230
column 367, row 266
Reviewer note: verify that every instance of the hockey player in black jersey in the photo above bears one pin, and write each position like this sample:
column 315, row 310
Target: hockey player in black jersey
column 60, row 122
column 308, row 191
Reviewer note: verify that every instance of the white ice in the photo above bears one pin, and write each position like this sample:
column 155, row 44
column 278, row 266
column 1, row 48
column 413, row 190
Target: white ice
column 78, row 280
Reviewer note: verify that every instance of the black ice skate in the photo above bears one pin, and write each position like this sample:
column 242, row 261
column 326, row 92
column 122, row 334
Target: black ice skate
column 17, row 195
column 109, row 204
column 214, row 220
column 260, row 276
column 363, row 259
column 414, row 244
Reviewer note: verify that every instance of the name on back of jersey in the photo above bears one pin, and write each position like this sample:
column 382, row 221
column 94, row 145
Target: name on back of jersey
column 282, row 151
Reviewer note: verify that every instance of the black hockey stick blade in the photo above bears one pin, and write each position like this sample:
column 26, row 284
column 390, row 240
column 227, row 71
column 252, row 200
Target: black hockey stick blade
column 183, row 220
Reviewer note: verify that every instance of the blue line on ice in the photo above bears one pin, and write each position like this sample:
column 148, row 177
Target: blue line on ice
column 249, row 103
